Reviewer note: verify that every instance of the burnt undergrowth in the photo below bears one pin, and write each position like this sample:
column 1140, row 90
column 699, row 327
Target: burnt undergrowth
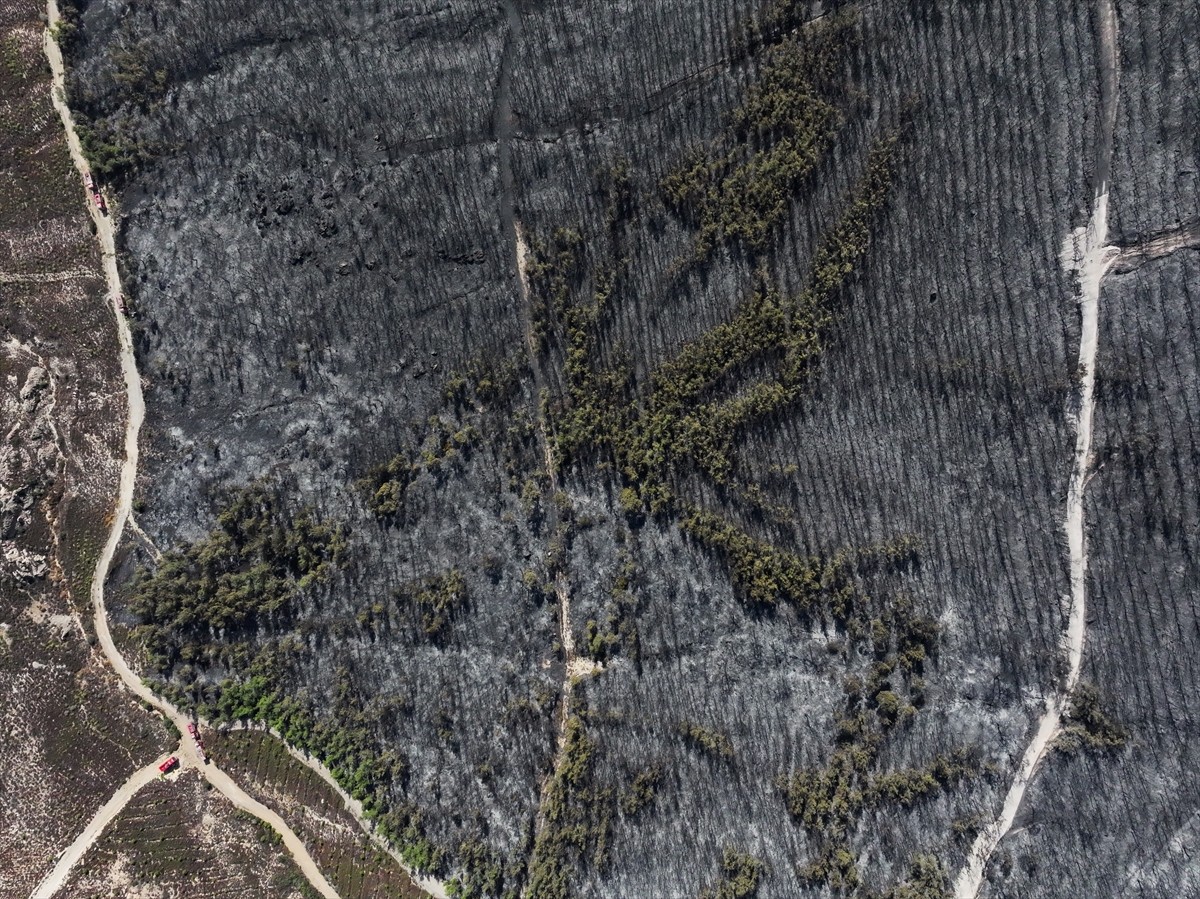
column 762, row 410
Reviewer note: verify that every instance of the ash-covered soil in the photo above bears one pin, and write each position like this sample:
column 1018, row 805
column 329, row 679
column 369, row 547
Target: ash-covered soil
column 321, row 233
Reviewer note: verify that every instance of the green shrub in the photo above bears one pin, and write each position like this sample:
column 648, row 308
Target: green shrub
column 927, row 879
column 436, row 599
column 641, row 792
column 706, row 739
column 740, row 875
column 1086, row 726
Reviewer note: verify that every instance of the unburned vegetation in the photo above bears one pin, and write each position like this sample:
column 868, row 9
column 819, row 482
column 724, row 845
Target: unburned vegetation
column 355, row 867
column 179, row 838
column 68, row 735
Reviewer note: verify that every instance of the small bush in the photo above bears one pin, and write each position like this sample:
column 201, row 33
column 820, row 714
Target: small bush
column 1086, row 726
column 740, row 875
column 706, row 739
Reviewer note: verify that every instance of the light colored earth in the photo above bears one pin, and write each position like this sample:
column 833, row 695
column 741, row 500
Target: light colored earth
column 1085, row 252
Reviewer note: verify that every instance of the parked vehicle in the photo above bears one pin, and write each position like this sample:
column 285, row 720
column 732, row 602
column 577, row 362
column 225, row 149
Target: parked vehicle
column 195, row 733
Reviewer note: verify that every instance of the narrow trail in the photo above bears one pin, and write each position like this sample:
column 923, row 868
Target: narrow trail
column 145, row 538
column 1158, row 246
column 574, row 666
column 44, row 277
column 1086, row 252
column 186, row 750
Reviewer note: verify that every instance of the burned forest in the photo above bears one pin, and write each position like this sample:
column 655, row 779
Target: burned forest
column 671, row 448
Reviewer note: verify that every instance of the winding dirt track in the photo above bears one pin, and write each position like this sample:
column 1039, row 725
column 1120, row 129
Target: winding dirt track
column 1086, row 252
column 186, row 750
column 54, row 881
column 430, row 885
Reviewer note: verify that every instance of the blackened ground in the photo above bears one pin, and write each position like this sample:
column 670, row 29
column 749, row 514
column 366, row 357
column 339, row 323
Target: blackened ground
column 1126, row 824
column 319, row 242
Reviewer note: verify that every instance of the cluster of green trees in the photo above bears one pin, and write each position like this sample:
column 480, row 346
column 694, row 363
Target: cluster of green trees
column 740, row 874
column 688, row 420
column 762, row 573
column 482, row 872
column 112, row 149
column 578, row 815
column 927, row 879
column 107, row 124
column 739, row 190
column 344, row 738
column 705, row 432
column 679, row 427
column 642, row 791
column 66, row 30
column 1087, row 726
column 436, row 599
column 554, row 269
column 908, row 785
column 253, row 564
column 137, row 83
column 484, row 383
column 446, row 442
column 683, row 424
column 618, row 632
column 829, row 802
column 569, row 308
column 706, row 739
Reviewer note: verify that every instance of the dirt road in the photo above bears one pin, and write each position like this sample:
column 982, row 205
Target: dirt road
column 430, row 885
column 1087, row 253
column 137, row 410
column 54, row 881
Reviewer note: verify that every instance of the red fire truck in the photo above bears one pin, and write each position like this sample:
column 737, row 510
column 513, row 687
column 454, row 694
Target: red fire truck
column 195, row 732
column 97, row 197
